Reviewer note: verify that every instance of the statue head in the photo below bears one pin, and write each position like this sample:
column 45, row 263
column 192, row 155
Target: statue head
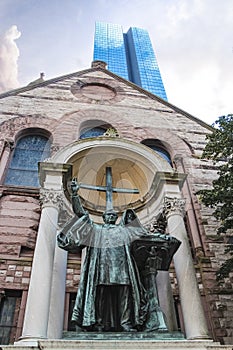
column 129, row 216
column 110, row 216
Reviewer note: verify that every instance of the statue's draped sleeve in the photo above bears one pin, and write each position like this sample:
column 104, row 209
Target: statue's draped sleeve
column 76, row 234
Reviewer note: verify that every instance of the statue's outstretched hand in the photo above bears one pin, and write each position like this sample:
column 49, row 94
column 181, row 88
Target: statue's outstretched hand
column 74, row 186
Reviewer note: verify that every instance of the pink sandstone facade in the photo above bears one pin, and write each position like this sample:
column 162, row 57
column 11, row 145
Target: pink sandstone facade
column 60, row 109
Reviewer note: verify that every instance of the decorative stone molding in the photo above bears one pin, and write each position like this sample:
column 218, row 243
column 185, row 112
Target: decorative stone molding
column 19, row 123
column 174, row 206
column 50, row 198
column 54, row 148
column 9, row 143
column 96, row 90
column 111, row 132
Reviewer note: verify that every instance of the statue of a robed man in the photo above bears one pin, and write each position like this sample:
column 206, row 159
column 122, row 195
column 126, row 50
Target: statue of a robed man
column 117, row 290
column 110, row 296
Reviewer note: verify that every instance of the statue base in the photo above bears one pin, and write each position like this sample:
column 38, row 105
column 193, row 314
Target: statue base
column 121, row 344
column 158, row 335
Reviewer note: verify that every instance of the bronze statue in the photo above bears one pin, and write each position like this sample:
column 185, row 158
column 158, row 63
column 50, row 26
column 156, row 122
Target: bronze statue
column 115, row 292
column 110, row 295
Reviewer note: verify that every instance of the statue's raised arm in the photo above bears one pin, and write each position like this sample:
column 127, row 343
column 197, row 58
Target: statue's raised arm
column 76, row 202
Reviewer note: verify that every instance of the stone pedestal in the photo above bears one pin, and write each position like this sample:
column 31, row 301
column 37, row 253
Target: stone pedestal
column 124, row 344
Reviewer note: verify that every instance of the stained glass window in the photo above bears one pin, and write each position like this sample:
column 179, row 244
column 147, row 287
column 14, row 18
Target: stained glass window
column 92, row 132
column 162, row 152
column 23, row 169
column 157, row 146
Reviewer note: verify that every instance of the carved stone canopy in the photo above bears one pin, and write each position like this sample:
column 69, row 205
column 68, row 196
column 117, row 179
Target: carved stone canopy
column 133, row 166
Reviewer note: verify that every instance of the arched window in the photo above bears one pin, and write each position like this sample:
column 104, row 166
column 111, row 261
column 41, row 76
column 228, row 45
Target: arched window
column 92, row 132
column 159, row 148
column 23, row 169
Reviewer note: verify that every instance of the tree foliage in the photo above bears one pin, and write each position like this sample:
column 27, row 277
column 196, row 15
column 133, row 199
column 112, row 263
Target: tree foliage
column 219, row 148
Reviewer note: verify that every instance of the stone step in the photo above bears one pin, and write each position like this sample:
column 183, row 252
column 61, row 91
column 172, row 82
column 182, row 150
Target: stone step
column 117, row 344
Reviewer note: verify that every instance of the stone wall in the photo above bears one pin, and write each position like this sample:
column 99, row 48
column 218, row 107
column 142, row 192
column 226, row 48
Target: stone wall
column 137, row 115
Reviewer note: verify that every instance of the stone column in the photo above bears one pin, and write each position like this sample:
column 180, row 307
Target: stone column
column 57, row 305
column 38, row 301
column 166, row 299
column 7, row 149
column 193, row 314
column 190, row 209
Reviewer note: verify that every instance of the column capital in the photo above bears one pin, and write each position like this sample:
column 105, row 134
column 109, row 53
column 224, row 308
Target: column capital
column 51, row 198
column 174, row 206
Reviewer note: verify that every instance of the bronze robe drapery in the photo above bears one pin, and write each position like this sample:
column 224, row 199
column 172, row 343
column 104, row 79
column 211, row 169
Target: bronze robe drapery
column 108, row 262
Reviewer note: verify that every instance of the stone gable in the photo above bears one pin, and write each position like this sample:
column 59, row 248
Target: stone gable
column 62, row 107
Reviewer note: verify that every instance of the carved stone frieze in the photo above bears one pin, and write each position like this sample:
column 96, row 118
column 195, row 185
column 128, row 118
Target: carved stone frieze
column 158, row 223
column 174, row 206
column 51, row 198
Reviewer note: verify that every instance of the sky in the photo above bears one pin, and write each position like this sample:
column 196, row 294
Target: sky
column 192, row 39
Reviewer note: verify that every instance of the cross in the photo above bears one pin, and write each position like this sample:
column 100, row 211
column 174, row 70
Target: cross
column 109, row 189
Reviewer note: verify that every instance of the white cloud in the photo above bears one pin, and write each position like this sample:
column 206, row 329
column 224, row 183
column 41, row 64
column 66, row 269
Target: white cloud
column 9, row 54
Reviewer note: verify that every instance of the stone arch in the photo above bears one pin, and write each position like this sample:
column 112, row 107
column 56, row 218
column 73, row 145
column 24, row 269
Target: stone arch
column 64, row 154
column 174, row 144
column 67, row 129
column 93, row 124
column 90, row 157
column 15, row 127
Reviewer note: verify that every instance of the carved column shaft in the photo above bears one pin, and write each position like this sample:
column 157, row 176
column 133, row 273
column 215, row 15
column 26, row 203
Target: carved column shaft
column 38, row 302
column 8, row 146
column 193, row 314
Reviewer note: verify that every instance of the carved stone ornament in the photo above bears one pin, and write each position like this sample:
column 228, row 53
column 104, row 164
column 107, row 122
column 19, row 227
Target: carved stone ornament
column 111, row 132
column 50, row 198
column 174, row 206
column 97, row 90
column 9, row 143
column 158, row 223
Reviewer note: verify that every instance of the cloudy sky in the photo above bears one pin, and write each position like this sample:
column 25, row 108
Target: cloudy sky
column 193, row 41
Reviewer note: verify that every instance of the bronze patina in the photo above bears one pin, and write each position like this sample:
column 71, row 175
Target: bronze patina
column 117, row 290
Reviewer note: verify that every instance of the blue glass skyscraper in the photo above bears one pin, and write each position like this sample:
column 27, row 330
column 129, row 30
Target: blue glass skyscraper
column 129, row 55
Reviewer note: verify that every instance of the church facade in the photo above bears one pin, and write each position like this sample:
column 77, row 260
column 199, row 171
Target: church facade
column 75, row 126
